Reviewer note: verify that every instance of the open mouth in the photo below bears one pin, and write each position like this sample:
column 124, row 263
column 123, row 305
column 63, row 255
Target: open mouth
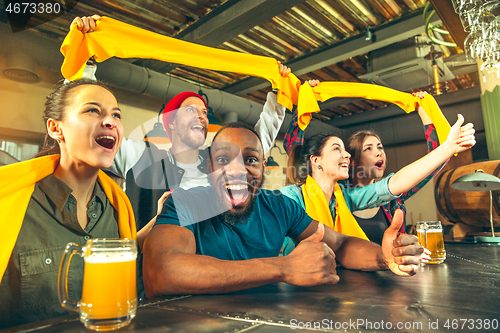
column 106, row 141
column 197, row 128
column 237, row 194
column 379, row 164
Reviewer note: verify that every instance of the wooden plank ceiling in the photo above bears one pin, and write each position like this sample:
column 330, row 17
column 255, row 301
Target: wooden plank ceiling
column 296, row 32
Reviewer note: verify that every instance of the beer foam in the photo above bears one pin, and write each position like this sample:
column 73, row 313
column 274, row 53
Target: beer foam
column 434, row 231
column 106, row 258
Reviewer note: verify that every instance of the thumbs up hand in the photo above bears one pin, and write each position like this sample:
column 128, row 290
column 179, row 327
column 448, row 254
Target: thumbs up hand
column 312, row 262
column 461, row 137
column 402, row 252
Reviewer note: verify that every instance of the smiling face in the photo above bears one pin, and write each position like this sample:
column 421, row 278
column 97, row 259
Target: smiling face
column 91, row 130
column 372, row 161
column 334, row 160
column 189, row 126
column 238, row 167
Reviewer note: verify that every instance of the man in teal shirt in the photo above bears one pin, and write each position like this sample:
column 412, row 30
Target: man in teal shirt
column 235, row 245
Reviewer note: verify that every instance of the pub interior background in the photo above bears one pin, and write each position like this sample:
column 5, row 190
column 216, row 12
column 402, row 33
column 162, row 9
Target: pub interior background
column 379, row 41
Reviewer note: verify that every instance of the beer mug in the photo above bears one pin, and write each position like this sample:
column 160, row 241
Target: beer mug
column 430, row 236
column 109, row 294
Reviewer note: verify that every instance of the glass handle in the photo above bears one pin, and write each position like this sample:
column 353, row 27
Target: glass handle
column 62, row 290
column 425, row 234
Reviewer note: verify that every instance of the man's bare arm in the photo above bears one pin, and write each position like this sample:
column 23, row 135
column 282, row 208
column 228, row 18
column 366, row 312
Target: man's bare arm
column 171, row 266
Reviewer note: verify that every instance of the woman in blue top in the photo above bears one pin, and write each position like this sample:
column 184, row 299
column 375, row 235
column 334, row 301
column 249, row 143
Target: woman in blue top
column 324, row 158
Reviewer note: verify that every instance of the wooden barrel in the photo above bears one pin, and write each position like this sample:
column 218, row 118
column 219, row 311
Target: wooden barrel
column 469, row 207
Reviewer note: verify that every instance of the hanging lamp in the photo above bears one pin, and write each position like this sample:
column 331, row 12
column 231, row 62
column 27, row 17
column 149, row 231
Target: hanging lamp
column 157, row 135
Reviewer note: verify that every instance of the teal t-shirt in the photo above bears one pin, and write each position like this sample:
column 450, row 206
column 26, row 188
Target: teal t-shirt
column 275, row 217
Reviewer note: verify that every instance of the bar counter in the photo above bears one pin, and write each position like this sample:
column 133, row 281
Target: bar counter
column 461, row 294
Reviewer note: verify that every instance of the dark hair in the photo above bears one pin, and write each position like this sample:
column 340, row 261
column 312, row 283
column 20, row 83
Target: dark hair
column 299, row 159
column 55, row 108
column 237, row 124
column 354, row 146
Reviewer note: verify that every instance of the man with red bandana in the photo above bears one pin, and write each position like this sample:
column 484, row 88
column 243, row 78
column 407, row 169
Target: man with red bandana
column 150, row 172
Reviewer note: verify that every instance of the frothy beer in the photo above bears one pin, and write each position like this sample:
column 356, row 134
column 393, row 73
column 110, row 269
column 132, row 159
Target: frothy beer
column 430, row 236
column 435, row 243
column 109, row 295
column 109, row 285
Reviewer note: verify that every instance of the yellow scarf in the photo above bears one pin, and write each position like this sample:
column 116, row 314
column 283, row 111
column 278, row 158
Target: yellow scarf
column 326, row 90
column 113, row 38
column 17, row 183
column 318, row 209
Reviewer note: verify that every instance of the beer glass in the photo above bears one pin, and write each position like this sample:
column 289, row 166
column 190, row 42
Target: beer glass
column 109, row 294
column 430, row 236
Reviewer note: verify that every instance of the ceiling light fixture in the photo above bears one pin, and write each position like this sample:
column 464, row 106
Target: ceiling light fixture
column 214, row 123
column 271, row 163
column 440, row 86
column 157, row 135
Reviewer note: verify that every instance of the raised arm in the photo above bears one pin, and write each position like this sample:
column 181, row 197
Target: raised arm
column 459, row 140
column 272, row 116
column 294, row 135
column 171, row 266
column 429, row 128
column 432, row 140
column 86, row 23
column 426, row 120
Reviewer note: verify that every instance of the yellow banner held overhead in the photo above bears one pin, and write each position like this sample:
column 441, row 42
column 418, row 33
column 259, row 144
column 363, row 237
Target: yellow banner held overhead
column 112, row 38
column 326, row 90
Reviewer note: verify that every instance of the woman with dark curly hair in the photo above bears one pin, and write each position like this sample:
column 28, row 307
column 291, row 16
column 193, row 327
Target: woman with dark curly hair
column 321, row 162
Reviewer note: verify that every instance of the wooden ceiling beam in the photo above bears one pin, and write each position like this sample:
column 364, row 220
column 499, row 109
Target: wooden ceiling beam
column 382, row 36
column 451, row 20
column 227, row 21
